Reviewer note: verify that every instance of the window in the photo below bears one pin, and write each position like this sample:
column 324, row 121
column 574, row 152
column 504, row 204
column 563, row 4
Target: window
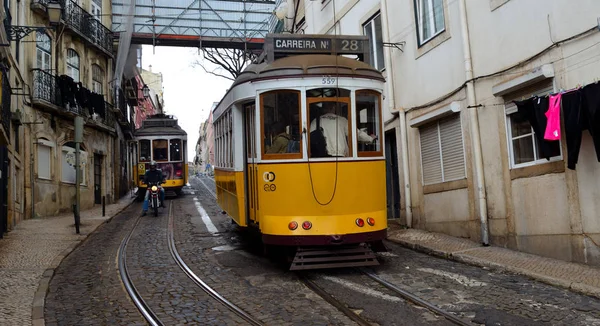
column 144, row 150
column 523, row 144
column 97, row 79
column 224, row 140
column 372, row 30
column 281, row 124
column 329, row 108
column 175, row 149
column 159, row 150
column 44, row 155
column 17, row 142
column 442, row 152
column 73, row 64
column 43, row 51
column 430, row 18
column 368, row 123
column 68, row 172
column 96, row 9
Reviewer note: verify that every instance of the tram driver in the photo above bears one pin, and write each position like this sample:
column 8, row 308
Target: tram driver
column 335, row 131
column 153, row 175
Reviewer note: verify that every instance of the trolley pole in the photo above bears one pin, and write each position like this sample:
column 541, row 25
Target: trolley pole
column 78, row 140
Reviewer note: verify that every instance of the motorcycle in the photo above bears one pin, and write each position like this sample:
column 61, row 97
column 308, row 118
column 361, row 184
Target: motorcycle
column 154, row 201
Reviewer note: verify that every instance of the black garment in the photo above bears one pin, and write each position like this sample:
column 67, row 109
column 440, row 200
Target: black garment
column 591, row 107
column 571, row 106
column 155, row 176
column 534, row 111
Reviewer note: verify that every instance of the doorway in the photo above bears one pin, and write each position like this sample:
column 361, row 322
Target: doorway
column 98, row 178
column 391, row 175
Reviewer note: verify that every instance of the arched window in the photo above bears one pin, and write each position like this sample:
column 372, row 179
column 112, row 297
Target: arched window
column 43, row 46
column 68, row 163
column 73, row 64
column 97, row 79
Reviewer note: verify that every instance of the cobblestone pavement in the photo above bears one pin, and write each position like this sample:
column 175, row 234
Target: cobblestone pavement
column 230, row 266
column 30, row 253
column 86, row 288
column 167, row 290
column 483, row 296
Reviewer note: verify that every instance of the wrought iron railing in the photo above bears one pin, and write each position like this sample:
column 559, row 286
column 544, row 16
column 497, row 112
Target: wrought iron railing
column 84, row 23
column 45, row 87
column 6, row 95
column 109, row 115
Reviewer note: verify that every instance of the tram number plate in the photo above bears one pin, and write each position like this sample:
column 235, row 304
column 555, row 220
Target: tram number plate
column 327, row 80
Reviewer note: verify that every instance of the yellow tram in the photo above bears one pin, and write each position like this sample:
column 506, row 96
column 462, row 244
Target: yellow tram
column 162, row 140
column 268, row 170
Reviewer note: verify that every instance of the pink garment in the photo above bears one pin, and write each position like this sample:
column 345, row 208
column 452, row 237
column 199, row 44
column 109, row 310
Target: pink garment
column 553, row 115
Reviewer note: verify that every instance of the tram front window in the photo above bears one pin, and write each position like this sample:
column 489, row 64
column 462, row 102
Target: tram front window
column 328, row 108
column 368, row 123
column 175, row 149
column 144, row 151
column 159, row 150
column 281, row 124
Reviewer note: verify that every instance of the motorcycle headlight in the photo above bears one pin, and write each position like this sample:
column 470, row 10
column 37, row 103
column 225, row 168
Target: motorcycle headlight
column 154, row 188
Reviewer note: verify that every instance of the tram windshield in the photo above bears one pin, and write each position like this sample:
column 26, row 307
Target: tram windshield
column 175, row 149
column 159, row 150
column 145, row 150
column 368, row 106
column 281, row 124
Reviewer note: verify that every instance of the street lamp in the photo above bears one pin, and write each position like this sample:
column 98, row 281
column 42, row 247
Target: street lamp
column 54, row 11
column 146, row 91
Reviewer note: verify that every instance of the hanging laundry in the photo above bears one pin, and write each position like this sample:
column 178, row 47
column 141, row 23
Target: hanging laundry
column 571, row 105
column 553, row 117
column 591, row 108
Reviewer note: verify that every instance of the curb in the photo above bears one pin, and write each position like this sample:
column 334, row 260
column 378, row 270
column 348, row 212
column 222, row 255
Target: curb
column 577, row 287
column 39, row 298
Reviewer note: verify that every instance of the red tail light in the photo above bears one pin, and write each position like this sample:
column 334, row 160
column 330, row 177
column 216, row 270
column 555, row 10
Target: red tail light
column 178, row 173
column 293, row 225
column 371, row 221
column 306, row 225
column 360, row 222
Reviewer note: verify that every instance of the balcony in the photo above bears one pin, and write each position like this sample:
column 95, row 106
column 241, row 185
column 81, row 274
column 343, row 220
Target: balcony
column 82, row 23
column 53, row 94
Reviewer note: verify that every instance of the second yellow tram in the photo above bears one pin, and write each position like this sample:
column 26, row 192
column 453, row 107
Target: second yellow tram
column 270, row 176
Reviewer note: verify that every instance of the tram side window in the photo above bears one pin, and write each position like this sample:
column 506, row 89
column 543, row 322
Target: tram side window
column 175, row 148
column 368, row 123
column 144, row 151
column 159, row 148
column 281, row 124
column 329, row 108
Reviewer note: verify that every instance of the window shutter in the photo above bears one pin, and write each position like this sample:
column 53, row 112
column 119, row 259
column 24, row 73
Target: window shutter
column 453, row 157
column 430, row 154
column 44, row 153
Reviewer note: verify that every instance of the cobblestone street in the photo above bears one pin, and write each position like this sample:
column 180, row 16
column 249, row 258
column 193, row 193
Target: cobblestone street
column 87, row 289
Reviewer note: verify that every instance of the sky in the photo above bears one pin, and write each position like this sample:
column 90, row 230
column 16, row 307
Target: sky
column 189, row 91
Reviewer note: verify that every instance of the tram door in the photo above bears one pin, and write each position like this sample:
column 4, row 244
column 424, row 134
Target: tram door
column 251, row 168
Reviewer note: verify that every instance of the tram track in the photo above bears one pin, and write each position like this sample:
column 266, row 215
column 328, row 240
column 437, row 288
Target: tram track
column 143, row 306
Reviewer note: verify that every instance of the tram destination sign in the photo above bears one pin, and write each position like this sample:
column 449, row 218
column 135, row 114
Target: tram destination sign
column 278, row 45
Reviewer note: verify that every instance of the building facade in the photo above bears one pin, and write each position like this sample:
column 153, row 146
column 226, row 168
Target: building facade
column 205, row 145
column 463, row 158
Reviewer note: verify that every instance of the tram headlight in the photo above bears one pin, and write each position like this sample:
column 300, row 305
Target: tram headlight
column 154, row 188
column 293, row 225
column 371, row 221
column 306, row 225
column 360, row 222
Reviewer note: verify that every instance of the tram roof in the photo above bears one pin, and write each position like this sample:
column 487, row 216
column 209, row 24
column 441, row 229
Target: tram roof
column 160, row 131
column 308, row 65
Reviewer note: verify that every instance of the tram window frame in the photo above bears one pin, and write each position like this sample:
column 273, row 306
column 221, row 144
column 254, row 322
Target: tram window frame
column 338, row 96
column 280, row 156
column 154, row 149
column 148, row 158
column 379, row 141
column 171, row 143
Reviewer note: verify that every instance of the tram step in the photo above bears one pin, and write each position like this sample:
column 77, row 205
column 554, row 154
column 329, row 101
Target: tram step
column 327, row 257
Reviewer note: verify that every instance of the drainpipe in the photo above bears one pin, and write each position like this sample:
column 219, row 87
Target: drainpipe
column 472, row 106
column 402, row 114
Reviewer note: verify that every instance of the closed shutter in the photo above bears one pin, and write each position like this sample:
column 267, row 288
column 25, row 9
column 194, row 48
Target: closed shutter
column 453, row 157
column 430, row 154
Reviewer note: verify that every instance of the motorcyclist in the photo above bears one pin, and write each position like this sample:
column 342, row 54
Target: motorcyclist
column 153, row 175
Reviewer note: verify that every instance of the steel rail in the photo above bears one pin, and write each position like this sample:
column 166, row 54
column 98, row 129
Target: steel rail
column 214, row 294
column 414, row 299
column 207, row 188
column 142, row 306
column 333, row 301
